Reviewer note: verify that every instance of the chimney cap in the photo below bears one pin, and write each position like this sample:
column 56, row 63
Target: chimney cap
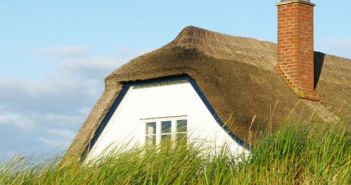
column 294, row 0
column 282, row 2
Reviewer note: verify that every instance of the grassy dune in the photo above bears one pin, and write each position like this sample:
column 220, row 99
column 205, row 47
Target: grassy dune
column 314, row 155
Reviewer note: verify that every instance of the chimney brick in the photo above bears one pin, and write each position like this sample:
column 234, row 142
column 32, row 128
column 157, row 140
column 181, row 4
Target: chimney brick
column 296, row 46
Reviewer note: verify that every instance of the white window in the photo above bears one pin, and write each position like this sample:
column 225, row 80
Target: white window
column 166, row 131
column 159, row 130
column 181, row 132
column 150, row 136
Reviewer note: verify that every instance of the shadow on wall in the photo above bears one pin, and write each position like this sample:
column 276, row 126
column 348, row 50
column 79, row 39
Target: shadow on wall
column 318, row 65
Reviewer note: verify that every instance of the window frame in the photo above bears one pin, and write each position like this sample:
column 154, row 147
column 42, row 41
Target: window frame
column 181, row 133
column 153, row 135
column 169, row 134
column 159, row 134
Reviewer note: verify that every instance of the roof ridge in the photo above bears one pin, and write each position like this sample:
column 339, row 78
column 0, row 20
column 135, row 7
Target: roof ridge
column 223, row 46
column 198, row 37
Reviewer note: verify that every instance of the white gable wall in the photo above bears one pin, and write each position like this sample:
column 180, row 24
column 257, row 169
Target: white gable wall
column 175, row 99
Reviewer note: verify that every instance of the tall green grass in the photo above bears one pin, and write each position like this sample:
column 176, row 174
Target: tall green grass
column 299, row 155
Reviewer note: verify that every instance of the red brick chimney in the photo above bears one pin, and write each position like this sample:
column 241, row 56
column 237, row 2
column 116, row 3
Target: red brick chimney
column 295, row 46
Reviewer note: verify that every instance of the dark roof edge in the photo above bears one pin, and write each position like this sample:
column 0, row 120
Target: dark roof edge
column 128, row 84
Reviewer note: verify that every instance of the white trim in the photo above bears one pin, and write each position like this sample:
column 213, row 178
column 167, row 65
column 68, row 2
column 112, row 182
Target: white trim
column 124, row 131
column 159, row 121
column 158, row 84
column 164, row 117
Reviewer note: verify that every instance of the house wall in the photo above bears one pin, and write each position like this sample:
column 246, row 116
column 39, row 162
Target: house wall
column 126, row 128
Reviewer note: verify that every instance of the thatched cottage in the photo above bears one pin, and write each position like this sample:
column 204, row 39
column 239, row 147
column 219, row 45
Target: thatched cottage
column 218, row 89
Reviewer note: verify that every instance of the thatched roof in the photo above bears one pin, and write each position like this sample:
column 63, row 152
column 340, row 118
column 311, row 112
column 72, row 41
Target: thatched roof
column 237, row 77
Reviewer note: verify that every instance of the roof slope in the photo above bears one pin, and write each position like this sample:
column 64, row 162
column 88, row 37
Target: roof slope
column 236, row 75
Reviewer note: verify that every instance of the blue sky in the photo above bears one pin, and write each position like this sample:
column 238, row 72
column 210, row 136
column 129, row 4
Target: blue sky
column 54, row 55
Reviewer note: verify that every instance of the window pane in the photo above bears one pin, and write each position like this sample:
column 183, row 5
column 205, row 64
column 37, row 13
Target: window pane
column 181, row 138
column 166, row 138
column 182, row 125
column 150, row 128
column 150, row 141
column 166, row 127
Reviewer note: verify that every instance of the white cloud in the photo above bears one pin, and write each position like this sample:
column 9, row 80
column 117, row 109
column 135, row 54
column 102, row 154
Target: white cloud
column 57, row 138
column 95, row 67
column 4, row 120
column 45, row 114
column 62, row 52
column 97, row 62
column 336, row 46
column 62, row 133
column 84, row 110
column 17, row 120
column 64, row 119
column 53, row 143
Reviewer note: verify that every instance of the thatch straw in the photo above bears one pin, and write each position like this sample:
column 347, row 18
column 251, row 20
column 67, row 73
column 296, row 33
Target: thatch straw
column 236, row 75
